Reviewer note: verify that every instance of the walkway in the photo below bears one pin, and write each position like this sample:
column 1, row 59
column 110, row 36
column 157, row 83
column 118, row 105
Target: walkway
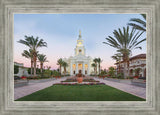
column 33, row 87
column 135, row 90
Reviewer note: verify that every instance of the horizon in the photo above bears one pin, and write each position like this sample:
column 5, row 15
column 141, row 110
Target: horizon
column 61, row 31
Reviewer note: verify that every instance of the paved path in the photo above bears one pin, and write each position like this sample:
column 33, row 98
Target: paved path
column 135, row 90
column 33, row 87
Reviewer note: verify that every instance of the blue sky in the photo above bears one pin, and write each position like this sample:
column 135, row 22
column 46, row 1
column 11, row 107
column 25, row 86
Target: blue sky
column 61, row 31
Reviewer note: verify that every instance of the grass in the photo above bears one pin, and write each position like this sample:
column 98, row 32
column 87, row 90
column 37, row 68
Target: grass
column 80, row 93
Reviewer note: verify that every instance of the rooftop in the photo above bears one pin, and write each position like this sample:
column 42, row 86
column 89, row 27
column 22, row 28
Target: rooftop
column 141, row 56
column 138, row 56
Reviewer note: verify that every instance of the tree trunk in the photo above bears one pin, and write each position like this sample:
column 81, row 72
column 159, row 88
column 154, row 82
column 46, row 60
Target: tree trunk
column 99, row 68
column 60, row 68
column 31, row 67
column 128, row 67
column 119, row 68
column 96, row 69
column 124, row 70
column 125, row 59
column 41, row 67
column 64, row 71
column 35, row 59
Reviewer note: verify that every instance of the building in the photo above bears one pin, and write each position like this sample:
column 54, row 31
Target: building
column 22, row 71
column 137, row 66
column 79, row 63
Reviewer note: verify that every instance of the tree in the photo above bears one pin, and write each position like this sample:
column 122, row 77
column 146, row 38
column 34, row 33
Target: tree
column 94, row 66
column 29, row 55
column 95, row 61
column 42, row 58
column 137, row 71
column 33, row 44
column 56, row 73
column 118, row 58
column 99, row 60
column 64, row 64
column 103, row 72
column 111, row 71
column 16, row 69
column 125, row 41
column 139, row 24
column 60, row 62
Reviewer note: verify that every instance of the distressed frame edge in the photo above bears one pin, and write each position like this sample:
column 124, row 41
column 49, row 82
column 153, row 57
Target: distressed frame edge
column 147, row 52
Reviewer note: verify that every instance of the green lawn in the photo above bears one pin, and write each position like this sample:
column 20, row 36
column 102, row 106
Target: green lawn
column 80, row 93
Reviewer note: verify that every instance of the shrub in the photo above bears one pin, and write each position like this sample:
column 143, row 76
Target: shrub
column 120, row 75
column 111, row 71
column 16, row 69
column 56, row 73
column 47, row 73
column 37, row 77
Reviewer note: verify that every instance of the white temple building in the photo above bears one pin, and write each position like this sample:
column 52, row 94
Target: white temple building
column 79, row 63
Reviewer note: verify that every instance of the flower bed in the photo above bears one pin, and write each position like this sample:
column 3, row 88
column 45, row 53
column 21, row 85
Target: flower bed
column 37, row 78
column 23, row 77
column 84, row 80
column 80, row 84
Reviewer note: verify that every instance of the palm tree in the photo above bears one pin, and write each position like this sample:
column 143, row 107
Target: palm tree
column 95, row 61
column 99, row 60
column 29, row 55
column 60, row 62
column 42, row 58
column 125, row 41
column 111, row 71
column 64, row 64
column 94, row 66
column 139, row 24
column 118, row 58
column 33, row 44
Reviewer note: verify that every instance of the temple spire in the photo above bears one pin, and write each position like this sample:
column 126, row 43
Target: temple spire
column 80, row 34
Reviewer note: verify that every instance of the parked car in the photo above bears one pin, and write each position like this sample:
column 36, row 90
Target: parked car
column 17, row 78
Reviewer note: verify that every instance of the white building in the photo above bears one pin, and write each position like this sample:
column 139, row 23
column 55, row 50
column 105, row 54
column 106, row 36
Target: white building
column 79, row 63
column 22, row 70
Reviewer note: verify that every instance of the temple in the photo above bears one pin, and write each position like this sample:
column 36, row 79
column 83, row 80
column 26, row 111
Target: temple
column 79, row 63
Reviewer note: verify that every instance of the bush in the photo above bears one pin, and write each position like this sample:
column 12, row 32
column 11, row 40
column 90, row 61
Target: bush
column 37, row 77
column 16, row 69
column 111, row 71
column 56, row 73
column 120, row 76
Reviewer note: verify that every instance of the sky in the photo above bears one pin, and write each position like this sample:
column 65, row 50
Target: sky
column 61, row 31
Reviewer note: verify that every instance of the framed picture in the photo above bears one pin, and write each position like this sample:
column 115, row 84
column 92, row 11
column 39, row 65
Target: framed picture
column 80, row 68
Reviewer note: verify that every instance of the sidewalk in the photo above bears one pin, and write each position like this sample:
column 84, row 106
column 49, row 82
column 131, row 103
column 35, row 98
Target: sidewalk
column 33, row 87
column 135, row 90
